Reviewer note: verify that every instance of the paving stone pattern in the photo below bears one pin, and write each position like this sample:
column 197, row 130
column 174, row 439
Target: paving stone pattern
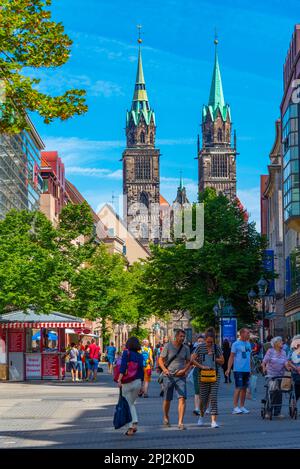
column 79, row 415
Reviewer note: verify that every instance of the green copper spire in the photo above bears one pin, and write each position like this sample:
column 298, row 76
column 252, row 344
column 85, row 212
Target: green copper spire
column 140, row 103
column 216, row 96
column 140, row 93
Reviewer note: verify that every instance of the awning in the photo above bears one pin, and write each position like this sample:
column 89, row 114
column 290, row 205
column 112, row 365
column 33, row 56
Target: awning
column 38, row 325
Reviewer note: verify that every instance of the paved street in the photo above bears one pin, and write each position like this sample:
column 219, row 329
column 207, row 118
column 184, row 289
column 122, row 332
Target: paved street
column 68, row 415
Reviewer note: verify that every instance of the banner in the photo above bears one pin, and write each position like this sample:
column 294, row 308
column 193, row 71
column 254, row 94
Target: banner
column 229, row 329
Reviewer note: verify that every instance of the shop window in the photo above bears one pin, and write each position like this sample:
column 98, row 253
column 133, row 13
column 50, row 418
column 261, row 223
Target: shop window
column 33, row 340
column 50, row 340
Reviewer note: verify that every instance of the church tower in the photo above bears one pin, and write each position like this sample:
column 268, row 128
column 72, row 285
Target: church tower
column 141, row 163
column 217, row 157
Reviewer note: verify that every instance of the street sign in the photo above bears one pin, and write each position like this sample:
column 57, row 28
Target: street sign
column 229, row 329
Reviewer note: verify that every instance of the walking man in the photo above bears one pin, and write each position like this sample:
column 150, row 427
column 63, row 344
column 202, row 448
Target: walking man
column 240, row 359
column 94, row 353
column 174, row 361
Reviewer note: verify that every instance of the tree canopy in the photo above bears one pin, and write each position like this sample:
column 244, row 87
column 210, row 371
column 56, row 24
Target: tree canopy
column 29, row 40
column 229, row 263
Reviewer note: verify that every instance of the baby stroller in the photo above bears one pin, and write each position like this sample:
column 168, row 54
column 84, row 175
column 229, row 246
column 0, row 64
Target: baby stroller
column 275, row 384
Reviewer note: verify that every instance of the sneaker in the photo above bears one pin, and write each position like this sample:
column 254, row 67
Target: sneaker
column 244, row 410
column 77, row 380
column 196, row 412
column 214, row 425
column 237, row 410
column 200, row 421
column 207, row 412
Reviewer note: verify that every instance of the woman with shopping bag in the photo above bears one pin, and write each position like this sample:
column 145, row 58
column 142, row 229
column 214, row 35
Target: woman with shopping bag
column 208, row 357
column 131, row 379
column 274, row 366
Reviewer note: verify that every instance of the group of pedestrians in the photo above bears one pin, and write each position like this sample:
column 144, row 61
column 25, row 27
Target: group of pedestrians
column 84, row 360
column 176, row 361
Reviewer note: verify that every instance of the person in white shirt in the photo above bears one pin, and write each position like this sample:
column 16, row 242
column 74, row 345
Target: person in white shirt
column 240, row 359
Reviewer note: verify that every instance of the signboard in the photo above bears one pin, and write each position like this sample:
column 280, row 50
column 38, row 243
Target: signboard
column 33, row 366
column 16, row 341
column 50, row 366
column 229, row 329
column 268, row 265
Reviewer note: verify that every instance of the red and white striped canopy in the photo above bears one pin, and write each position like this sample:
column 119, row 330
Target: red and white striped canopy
column 38, row 325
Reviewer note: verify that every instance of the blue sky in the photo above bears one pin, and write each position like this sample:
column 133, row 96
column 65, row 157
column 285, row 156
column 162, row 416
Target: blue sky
column 178, row 55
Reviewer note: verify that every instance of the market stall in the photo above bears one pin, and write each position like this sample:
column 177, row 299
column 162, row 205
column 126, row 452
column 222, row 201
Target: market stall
column 33, row 346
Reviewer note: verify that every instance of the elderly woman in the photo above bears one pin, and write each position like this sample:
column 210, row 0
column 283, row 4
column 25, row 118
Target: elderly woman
column 294, row 363
column 274, row 365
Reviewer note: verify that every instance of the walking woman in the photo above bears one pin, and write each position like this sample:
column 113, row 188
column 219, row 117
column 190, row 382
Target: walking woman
column 209, row 356
column 131, row 390
column 274, row 365
column 226, row 354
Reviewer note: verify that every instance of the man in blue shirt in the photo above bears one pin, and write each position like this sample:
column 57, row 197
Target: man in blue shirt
column 240, row 359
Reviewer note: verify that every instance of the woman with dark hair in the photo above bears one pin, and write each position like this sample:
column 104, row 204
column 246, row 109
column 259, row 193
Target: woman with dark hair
column 226, row 353
column 132, row 389
column 208, row 357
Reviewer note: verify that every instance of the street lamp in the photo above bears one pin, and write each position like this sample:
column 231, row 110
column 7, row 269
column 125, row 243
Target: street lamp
column 262, row 286
column 218, row 310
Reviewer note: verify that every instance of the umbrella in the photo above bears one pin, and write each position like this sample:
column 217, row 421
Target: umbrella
column 51, row 336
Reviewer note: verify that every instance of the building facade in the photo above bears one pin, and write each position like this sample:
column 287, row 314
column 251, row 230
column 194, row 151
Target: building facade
column 53, row 197
column 217, row 157
column 141, row 165
column 20, row 180
column 272, row 227
column 290, row 118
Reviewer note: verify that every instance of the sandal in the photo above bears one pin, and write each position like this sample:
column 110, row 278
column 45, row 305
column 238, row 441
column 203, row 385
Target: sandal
column 181, row 427
column 130, row 432
column 166, row 423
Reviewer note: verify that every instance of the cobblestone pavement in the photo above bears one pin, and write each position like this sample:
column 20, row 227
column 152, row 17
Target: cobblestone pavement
column 79, row 415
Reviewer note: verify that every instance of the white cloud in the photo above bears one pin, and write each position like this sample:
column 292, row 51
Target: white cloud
column 94, row 172
column 250, row 199
column 73, row 150
column 105, row 88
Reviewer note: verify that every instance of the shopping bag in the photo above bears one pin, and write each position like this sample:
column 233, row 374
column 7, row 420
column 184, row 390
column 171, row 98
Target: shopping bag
column 122, row 412
column 286, row 382
column 252, row 386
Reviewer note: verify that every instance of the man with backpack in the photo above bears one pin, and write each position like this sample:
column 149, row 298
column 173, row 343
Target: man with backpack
column 175, row 363
column 146, row 351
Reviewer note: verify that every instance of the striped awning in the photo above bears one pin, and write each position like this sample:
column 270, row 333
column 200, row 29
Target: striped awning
column 38, row 325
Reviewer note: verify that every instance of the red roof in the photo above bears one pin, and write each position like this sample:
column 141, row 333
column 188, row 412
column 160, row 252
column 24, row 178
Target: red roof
column 163, row 201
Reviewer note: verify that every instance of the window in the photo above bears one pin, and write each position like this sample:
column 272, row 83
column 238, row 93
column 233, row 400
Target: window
column 220, row 135
column 151, row 138
column 219, row 166
column 50, row 340
column 142, row 168
column 144, row 199
column 142, row 137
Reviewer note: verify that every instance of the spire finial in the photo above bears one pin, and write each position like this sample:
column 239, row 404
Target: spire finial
column 181, row 181
column 139, row 27
column 216, row 41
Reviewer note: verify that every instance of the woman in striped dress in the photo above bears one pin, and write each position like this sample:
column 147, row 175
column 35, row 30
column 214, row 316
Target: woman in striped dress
column 209, row 356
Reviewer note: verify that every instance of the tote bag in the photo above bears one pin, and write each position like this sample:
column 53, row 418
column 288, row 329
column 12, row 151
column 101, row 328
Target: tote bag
column 122, row 414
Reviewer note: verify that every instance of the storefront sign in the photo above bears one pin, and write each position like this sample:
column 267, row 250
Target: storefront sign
column 16, row 341
column 33, row 366
column 229, row 329
column 50, row 366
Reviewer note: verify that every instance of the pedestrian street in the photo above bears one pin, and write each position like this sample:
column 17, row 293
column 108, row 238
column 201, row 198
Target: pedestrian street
column 79, row 415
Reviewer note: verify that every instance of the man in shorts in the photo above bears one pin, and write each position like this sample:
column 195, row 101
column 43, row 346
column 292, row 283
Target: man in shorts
column 93, row 362
column 175, row 375
column 240, row 359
